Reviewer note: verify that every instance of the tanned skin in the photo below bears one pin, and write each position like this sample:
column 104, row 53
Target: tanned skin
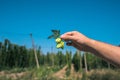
column 106, row 51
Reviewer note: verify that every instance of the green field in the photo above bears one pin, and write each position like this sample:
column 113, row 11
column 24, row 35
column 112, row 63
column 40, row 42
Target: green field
column 19, row 63
column 55, row 73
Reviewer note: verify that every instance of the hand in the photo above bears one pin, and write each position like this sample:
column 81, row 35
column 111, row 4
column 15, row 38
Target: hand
column 106, row 51
column 78, row 40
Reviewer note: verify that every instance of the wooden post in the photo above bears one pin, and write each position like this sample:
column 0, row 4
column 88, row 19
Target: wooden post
column 35, row 53
column 79, row 53
column 85, row 61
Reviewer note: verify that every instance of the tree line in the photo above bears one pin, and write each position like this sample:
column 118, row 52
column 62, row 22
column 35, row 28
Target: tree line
column 13, row 55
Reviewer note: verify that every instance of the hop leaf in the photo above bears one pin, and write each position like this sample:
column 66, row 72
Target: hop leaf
column 56, row 35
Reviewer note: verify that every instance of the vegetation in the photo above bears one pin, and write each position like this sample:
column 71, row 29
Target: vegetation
column 104, row 74
column 15, row 59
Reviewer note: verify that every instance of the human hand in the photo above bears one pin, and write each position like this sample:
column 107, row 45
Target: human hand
column 77, row 40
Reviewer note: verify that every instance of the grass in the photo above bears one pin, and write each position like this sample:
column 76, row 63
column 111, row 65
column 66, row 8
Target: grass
column 45, row 73
column 104, row 74
column 28, row 73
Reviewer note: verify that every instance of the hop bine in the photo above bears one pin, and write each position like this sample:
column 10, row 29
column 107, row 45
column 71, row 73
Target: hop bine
column 60, row 43
column 56, row 36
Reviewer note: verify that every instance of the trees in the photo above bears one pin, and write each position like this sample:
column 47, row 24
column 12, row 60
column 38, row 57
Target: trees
column 61, row 60
column 13, row 55
column 76, row 61
column 68, row 59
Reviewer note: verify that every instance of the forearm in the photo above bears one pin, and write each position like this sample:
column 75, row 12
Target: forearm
column 81, row 42
column 106, row 51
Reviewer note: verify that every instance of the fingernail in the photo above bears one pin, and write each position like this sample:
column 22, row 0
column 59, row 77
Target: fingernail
column 62, row 36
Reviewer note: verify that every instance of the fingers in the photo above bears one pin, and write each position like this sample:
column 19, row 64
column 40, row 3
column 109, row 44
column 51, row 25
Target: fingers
column 76, row 45
column 67, row 36
column 76, row 40
column 68, row 33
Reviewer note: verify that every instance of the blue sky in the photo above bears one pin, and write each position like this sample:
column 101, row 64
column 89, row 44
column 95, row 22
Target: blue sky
column 97, row 19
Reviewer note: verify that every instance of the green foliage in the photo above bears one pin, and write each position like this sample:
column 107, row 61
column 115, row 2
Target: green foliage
column 104, row 75
column 76, row 61
column 15, row 56
column 12, row 55
column 84, row 76
column 60, row 59
column 43, row 73
column 56, row 34
column 69, row 59
column 68, row 72
column 19, row 59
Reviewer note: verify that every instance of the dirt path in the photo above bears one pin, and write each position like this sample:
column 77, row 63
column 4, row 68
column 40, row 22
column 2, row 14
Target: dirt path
column 61, row 74
column 12, row 75
column 72, row 71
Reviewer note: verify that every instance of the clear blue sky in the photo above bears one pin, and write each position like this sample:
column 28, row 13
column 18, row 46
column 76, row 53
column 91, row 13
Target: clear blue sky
column 97, row 19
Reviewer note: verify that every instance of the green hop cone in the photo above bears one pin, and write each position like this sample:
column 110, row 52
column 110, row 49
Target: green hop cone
column 58, row 40
column 60, row 45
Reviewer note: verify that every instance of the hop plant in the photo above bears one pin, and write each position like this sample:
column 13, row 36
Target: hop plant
column 60, row 43
column 58, row 40
column 56, row 36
